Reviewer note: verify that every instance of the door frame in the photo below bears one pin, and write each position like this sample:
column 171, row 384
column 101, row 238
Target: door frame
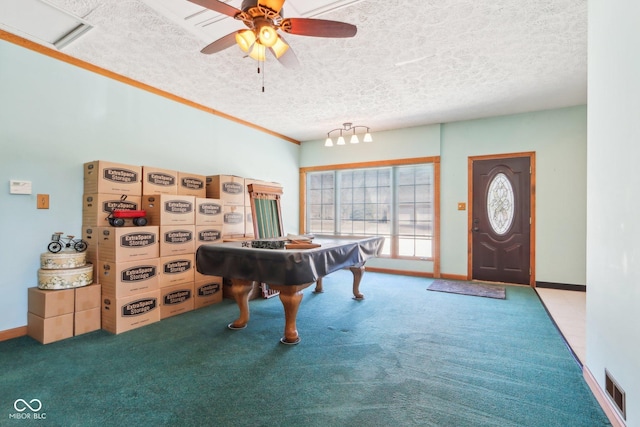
column 532, row 192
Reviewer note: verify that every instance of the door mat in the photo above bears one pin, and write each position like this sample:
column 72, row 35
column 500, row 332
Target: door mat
column 468, row 288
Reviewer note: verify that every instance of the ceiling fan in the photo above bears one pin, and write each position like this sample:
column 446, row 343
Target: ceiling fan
column 263, row 19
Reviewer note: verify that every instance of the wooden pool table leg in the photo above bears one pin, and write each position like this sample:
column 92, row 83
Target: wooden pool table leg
column 318, row 289
column 357, row 277
column 290, row 296
column 240, row 290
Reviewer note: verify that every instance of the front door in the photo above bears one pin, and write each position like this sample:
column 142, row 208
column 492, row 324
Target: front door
column 501, row 219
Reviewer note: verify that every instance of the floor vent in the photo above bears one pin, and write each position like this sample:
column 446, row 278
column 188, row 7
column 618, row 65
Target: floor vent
column 616, row 394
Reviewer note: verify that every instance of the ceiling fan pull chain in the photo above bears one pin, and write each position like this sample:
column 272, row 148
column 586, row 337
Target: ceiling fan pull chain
column 263, row 71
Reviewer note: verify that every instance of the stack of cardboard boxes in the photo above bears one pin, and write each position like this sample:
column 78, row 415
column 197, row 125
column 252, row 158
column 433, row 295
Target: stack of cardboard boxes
column 55, row 315
column 236, row 203
column 143, row 274
column 148, row 272
column 230, row 190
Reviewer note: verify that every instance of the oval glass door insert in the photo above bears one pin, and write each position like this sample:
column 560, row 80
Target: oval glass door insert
column 500, row 206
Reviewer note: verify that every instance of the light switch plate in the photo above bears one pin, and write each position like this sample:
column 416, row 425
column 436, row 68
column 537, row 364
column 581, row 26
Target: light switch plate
column 43, row 201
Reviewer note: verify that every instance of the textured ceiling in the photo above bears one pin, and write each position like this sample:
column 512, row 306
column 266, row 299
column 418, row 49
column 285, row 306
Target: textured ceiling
column 411, row 62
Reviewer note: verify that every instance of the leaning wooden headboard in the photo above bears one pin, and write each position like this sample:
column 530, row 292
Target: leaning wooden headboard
column 265, row 210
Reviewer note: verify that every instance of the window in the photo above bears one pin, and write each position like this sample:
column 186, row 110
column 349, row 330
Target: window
column 321, row 202
column 395, row 201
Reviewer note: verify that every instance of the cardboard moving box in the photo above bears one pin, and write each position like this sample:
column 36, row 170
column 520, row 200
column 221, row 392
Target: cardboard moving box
column 112, row 178
column 207, row 235
column 176, row 300
column 177, row 269
column 128, row 243
column 87, row 297
column 123, row 279
column 228, row 188
column 86, row 321
column 190, row 184
column 50, row 329
column 97, row 207
column 177, row 239
column 233, row 221
column 91, row 235
column 51, row 303
column 132, row 312
column 208, row 211
column 249, row 231
column 208, row 292
column 159, row 181
column 165, row 209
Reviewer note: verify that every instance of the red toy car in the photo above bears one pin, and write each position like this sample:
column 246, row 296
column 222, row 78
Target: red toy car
column 117, row 216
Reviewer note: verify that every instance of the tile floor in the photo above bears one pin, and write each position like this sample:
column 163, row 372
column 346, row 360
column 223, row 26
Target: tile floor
column 568, row 309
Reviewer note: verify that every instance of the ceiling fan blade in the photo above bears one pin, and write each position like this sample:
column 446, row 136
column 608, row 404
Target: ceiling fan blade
column 288, row 59
column 275, row 5
column 220, row 44
column 318, row 27
column 218, row 6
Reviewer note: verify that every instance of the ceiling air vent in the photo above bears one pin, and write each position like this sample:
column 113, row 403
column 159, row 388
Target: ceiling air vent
column 41, row 22
column 616, row 394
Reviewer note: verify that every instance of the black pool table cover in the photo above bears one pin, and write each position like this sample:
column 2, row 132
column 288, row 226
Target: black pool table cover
column 286, row 266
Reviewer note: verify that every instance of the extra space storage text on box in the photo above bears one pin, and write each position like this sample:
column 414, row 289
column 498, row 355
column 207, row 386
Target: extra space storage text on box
column 190, row 184
column 159, row 181
column 229, row 189
column 134, row 311
column 112, row 178
column 128, row 243
column 123, row 279
column 166, row 209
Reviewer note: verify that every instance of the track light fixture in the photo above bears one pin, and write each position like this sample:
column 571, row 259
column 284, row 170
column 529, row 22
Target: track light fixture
column 347, row 127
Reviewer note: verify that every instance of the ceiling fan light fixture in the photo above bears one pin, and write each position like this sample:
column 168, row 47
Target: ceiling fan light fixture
column 245, row 39
column 279, row 48
column 258, row 52
column 264, row 19
column 267, row 36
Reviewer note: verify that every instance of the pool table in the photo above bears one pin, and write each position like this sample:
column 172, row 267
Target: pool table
column 288, row 271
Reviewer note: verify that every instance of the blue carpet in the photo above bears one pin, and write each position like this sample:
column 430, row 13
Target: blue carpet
column 400, row 357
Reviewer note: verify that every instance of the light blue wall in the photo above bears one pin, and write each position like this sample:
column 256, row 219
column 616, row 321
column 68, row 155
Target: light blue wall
column 54, row 117
column 558, row 137
column 613, row 202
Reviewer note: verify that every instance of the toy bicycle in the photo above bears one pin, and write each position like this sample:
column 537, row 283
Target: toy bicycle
column 58, row 243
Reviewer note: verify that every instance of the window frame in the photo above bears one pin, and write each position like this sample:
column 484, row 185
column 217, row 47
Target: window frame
column 435, row 160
